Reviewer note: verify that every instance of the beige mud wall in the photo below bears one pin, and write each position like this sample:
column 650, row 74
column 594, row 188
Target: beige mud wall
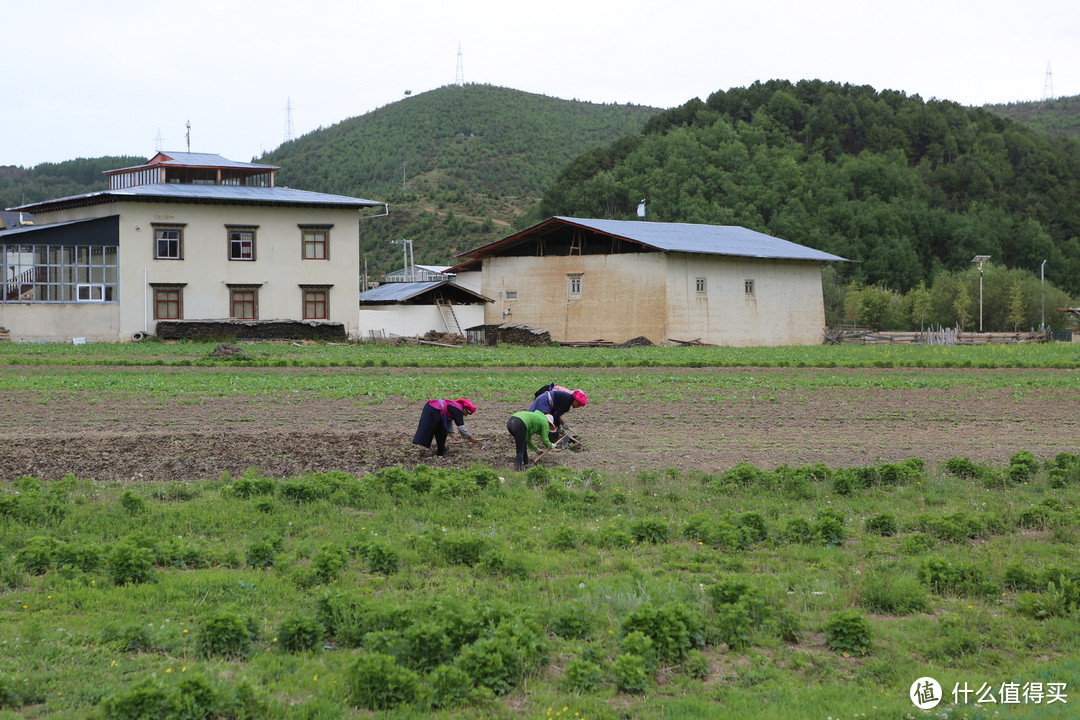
column 622, row 296
column 786, row 307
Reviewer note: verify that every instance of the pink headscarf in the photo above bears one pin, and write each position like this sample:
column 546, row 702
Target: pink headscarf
column 580, row 397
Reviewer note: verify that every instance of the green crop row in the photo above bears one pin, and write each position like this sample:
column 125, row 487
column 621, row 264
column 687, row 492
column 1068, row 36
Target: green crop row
column 366, row 354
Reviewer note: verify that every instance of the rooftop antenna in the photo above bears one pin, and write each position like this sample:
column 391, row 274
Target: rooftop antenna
column 188, row 136
column 158, row 141
column 1048, row 84
column 459, row 79
column 288, row 119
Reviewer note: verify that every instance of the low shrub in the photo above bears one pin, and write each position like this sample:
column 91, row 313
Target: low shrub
column 651, row 530
column 300, row 633
column 892, row 593
column 376, row 682
column 883, row 524
column 450, row 687
column 848, row 632
column 581, row 676
column 226, row 632
column 630, row 674
column 130, row 564
column 673, row 628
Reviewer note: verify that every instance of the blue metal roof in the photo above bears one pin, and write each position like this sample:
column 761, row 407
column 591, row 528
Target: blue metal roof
column 186, row 159
column 392, row 292
column 705, row 239
column 209, row 193
column 398, row 291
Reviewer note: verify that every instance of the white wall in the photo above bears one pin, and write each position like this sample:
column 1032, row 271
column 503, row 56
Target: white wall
column 414, row 319
column 60, row 322
column 278, row 268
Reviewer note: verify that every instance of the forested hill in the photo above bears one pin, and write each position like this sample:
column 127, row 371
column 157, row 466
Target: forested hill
column 901, row 185
column 20, row 186
column 476, row 138
column 1060, row 116
column 460, row 165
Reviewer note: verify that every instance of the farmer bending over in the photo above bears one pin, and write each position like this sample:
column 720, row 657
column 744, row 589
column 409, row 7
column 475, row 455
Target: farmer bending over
column 556, row 401
column 439, row 418
column 523, row 425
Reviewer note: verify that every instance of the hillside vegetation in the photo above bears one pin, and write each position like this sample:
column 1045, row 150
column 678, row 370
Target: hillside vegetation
column 458, row 164
column 1060, row 116
column 904, row 187
column 20, row 186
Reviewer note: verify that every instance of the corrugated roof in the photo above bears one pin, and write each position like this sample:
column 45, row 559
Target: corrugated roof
column 208, row 193
column 398, row 291
column 22, row 229
column 185, row 159
column 705, row 239
column 392, row 292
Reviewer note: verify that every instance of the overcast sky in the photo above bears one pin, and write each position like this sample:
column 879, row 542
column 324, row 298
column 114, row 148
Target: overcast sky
column 121, row 77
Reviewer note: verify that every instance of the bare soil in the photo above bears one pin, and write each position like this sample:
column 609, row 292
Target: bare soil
column 193, row 437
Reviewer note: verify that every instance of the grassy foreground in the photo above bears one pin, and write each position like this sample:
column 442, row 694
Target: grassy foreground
column 809, row 592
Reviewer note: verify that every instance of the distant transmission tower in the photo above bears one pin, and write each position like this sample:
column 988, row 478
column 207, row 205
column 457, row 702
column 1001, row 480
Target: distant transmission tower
column 459, row 79
column 158, row 141
column 1048, row 85
column 288, row 119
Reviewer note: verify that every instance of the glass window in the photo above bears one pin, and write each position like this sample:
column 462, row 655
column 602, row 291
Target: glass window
column 58, row 273
column 168, row 303
column 748, row 288
column 316, row 303
column 699, row 284
column 244, row 303
column 241, row 244
column 168, row 243
column 316, row 244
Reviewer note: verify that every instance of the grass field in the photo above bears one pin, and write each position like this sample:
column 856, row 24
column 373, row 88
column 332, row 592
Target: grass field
column 802, row 591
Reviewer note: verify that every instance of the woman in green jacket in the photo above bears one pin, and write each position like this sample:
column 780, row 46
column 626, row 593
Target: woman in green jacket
column 523, row 426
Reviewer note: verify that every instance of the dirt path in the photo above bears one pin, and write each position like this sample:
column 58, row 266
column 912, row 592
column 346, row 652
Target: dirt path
column 114, row 439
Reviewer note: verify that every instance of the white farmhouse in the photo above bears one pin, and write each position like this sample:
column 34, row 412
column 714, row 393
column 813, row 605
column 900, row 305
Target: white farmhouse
column 187, row 236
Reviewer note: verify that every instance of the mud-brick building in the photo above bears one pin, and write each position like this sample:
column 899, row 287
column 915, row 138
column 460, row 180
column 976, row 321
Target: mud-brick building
column 187, row 236
column 584, row 279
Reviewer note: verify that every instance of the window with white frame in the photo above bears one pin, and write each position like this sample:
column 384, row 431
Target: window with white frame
column 59, row 273
column 573, row 286
column 241, row 242
column 168, row 242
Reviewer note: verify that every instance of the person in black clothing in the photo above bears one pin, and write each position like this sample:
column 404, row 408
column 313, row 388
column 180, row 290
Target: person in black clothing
column 556, row 401
column 441, row 417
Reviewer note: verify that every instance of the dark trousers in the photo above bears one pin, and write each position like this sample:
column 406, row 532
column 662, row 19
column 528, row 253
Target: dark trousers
column 516, row 427
column 431, row 426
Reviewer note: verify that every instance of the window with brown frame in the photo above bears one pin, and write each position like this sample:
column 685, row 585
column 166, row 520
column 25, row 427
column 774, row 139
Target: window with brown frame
column 315, row 242
column 244, row 302
column 168, row 302
column 316, row 303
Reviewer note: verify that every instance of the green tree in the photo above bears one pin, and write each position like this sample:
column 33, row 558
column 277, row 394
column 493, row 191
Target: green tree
column 962, row 306
column 919, row 306
column 1016, row 305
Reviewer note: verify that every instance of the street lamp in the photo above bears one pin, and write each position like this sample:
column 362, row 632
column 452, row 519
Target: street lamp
column 980, row 259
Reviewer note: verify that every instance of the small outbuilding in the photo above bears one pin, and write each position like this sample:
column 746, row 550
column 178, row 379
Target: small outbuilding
column 414, row 308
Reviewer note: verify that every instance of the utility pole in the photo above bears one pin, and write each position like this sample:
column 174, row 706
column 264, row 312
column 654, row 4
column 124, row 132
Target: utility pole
column 1042, row 285
column 980, row 259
